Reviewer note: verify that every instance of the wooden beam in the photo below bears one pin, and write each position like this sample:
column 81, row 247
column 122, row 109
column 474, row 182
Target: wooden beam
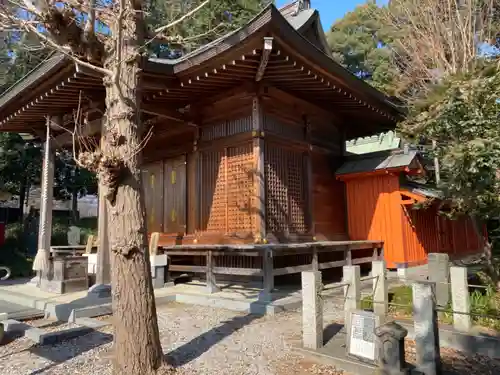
column 155, row 110
column 92, row 128
column 264, row 59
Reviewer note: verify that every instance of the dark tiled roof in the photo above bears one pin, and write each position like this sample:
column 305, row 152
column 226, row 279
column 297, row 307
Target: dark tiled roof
column 378, row 162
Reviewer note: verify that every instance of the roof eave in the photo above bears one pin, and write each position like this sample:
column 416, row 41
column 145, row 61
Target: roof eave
column 33, row 78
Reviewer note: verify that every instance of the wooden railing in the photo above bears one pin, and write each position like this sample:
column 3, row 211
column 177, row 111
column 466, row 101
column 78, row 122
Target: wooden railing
column 265, row 265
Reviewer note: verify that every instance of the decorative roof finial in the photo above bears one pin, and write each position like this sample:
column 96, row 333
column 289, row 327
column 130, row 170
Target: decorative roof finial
column 301, row 5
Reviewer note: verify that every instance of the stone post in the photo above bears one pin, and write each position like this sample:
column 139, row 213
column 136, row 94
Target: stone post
column 426, row 328
column 380, row 290
column 352, row 292
column 460, row 299
column 391, row 349
column 312, row 310
column 439, row 273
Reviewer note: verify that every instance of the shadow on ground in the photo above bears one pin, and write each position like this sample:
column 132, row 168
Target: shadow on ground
column 202, row 343
column 83, row 344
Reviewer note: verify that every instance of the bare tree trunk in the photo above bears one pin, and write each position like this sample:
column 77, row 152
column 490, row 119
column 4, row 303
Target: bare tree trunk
column 137, row 348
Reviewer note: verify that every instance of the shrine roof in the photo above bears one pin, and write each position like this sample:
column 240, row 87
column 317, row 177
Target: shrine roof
column 300, row 63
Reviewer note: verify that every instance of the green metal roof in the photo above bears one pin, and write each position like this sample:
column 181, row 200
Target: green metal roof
column 380, row 142
column 377, row 162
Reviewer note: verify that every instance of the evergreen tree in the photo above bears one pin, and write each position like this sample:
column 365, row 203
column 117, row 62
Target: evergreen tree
column 361, row 43
column 211, row 22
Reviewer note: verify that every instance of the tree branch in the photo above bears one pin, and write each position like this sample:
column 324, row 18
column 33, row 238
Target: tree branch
column 67, row 51
column 180, row 19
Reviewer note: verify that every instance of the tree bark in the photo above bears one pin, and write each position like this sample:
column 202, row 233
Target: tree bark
column 137, row 348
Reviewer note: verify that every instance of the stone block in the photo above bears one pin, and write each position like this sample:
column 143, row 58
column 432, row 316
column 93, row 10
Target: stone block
column 92, row 263
column 42, row 337
column 460, row 299
column 391, row 349
column 159, row 277
column 380, row 288
column 65, row 275
column 352, row 292
column 426, row 328
column 439, row 273
column 312, row 310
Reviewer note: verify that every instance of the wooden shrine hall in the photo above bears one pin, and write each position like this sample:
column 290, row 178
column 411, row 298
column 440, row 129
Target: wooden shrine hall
column 248, row 132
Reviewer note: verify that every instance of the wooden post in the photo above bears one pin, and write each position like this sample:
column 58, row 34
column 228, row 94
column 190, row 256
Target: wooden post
column 348, row 257
column 309, row 178
column 268, row 277
column 103, row 271
column 103, row 267
column 193, row 182
column 211, row 283
column 259, row 201
column 315, row 263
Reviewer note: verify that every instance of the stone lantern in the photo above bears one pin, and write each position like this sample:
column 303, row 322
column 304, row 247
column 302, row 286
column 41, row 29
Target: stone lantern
column 391, row 349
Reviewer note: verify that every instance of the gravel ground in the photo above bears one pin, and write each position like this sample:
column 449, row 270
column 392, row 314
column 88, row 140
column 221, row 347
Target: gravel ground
column 201, row 341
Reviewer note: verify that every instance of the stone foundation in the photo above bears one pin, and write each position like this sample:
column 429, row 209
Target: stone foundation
column 65, row 275
column 158, row 267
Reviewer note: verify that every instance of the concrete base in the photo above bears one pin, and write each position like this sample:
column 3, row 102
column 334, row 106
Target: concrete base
column 158, row 266
column 465, row 342
column 334, row 353
column 100, row 291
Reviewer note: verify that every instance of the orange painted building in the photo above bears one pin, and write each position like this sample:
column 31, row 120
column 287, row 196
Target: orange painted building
column 380, row 206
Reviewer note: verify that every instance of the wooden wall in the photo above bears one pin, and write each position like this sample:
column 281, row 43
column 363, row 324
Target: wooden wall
column 329, row 206
column 374, row 213
column 302, row 150
column 425, row 231
column 165, row 195
column 216, row 191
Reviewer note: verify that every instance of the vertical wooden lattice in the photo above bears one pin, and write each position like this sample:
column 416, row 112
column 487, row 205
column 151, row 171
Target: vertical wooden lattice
column 227, row 189
column 296, row 192
column 240, row 188
column 285, row 191
column 213, row 198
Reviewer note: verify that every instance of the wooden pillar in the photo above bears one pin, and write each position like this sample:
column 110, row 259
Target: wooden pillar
column 259, row 201
column 103, row 272
column 315, row 261
column 309, row 179
column 268, row 275
column 103, row 266
column 47, row 190
column 193, row 219
column 211, row 282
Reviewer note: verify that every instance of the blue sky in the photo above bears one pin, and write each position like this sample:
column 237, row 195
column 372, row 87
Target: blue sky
column 331, row 10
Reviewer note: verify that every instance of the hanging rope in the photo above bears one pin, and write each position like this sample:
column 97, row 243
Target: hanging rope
column 41, row 262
